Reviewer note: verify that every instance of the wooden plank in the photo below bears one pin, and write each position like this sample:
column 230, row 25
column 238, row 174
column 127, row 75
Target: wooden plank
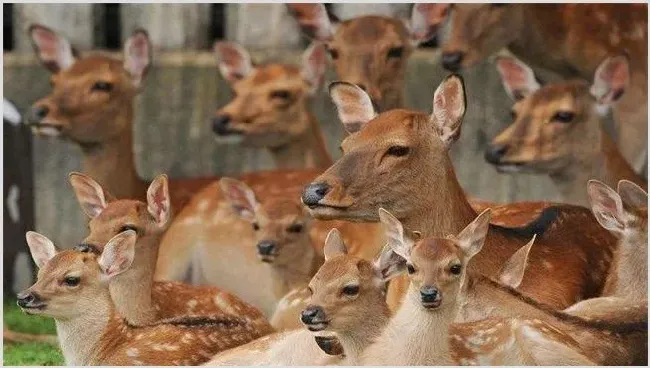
column 75, row 21
column 351, row 10
column 262, row 26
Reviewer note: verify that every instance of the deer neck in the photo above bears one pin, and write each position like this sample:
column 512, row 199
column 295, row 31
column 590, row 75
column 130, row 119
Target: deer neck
column 306, row 151
column 112, row 164
column 296, row 272
column 630, row 261
column 355, row 340
column 131, row 291
column 79, row 337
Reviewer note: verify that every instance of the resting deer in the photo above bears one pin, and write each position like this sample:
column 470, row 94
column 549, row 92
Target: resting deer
column 570, row 39
column 399, row 160
column 557, row 128
column 444, row 289
column 282, row 242
column 346, row 304
column 136, row 296
column 72, row 289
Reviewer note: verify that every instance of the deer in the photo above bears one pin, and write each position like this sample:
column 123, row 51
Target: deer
column 347, row 309
column 137, row 298
column 399, row 160
column 590, row 32
column 557, row 128
column 72, row 288
column 504, row 328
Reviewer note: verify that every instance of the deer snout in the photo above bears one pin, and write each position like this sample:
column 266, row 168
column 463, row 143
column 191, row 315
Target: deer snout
column 314, row 317
column 266, row 248
column 430, row 296
column 451, row 60
column 28, row 299
column 220, row 124
column 495, row 152
column 37, row 113
column 314, row 193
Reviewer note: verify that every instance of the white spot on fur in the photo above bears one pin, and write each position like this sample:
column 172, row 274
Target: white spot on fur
column 191, row 304
column 132, row 352
column 548, row 265
column 223, row 304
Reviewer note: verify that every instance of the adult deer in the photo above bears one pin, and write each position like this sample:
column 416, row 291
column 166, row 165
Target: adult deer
column 557, row 128
column 137, row 297
column 399, row 160
column 71, row 288
column 571, row 39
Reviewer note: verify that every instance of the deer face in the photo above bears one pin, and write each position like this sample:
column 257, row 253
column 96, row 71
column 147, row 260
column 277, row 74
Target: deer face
column 555, row 124
column 476, row 31
column 89, row 96
column 385, row 155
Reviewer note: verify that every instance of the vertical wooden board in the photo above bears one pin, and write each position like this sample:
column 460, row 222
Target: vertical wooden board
column 266, row 26
column 75, row 21
column 171, row 26
column 350, row 10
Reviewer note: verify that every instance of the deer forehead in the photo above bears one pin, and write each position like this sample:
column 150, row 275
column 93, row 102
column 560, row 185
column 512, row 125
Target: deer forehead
column 337, row 271
column 121, row 212
column 281, row 209
column 371, row 29
column 567, row 92
column 395, row 126
column 93, row 66
column 276, row 75
column 436, row 250
column 68, row 262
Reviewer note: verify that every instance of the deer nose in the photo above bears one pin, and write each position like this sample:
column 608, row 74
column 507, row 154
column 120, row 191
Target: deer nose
column 38, row 113
column 495, row 152
column 220, row 124
column 312, row 314
column 26, row 299
column 314, row 193
column 451, row 60
column 266, row 248
column 429, row 294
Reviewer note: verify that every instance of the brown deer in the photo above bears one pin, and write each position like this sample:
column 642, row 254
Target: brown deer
column 399, row 160
column 137, row 297
column 72, row 289
column 570, row 39
column 443, row 289
column 625, row 214
column 557, row 128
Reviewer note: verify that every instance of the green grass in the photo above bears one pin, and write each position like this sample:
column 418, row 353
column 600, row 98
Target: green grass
column 29, row 353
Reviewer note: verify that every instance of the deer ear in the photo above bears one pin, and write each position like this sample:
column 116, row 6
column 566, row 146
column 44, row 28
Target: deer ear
column 137, row 56
column 54, row 51
column 41, row 248
column 632, row 195
column 389, row 264
column 449, row 107
column 313, row 20
column 513, row 270
column 607, row 206
column 314, row 65
column 234, row 61
column 395, row 234
column 90, row 194
column 426, row 20
column 353, row 105
column 472, row 237
column 118, row 254
column 334, row 245
column 241, row 197
column 518, row 78
column 158, row 201
column 611, row 79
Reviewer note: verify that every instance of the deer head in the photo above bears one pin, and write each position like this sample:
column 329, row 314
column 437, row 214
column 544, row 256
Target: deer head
column 436, row 266
column 385, row 155
column 92, row 96
column 270, row 106
column 281, row 225
column 371, row 51
column 69, row 282
column 555, row 124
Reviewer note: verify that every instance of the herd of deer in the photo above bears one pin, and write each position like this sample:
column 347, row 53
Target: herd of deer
column 386, row 261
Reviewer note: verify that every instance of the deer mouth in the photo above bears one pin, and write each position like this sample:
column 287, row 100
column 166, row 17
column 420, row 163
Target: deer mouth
column 34, row 308
column 512, row 167
column 432, row 305
column 266, row 258
column 46, row 129
column 317, row 326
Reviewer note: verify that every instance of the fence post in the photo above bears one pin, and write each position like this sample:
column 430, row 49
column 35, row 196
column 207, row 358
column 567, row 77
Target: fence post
column 262, row 26
column 349, row 10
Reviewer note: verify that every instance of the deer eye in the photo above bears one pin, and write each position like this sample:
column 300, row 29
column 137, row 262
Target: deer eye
column 395, row 52
column 455, row 269
column 128, row 227
column 398, row 151
column 102, row 86
column 351, row 290
column 281, row 94
column 564, row 117
column 72, row 280
column 410, row 269
column 334, row 54
column 295, row 228
column 513, row 115
column 256, row 226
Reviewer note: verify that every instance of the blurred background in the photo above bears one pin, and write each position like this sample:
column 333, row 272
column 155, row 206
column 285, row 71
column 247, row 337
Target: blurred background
column 182, row 91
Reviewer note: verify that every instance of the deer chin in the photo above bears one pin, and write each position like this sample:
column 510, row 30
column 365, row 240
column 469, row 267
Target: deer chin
column 229, row 139
column 46, row 130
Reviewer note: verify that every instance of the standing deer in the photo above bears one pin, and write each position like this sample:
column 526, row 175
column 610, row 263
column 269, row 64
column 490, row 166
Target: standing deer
column 399, row 160
column 570, row 39
column 72, row 289
column 557, row 128
column 137, row 297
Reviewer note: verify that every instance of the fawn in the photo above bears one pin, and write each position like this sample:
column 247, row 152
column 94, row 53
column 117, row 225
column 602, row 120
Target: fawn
column 557, row 128
column 137, row 297
column 590, row 32
column 399, row 160
column 72, row 289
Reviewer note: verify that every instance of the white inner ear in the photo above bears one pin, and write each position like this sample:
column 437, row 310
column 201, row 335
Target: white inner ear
column 64, row 53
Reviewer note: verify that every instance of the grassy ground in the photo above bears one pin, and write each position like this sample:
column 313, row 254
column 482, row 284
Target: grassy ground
column 29, row 353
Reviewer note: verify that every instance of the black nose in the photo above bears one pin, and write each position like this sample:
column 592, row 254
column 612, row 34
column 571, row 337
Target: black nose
column 429, row 294
column 25, row 299
column 266, row 247
column 451, row 60
column 494, row 153
column 314, row 193
column 312, row 314
column 38, row 113
column 220, row 124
